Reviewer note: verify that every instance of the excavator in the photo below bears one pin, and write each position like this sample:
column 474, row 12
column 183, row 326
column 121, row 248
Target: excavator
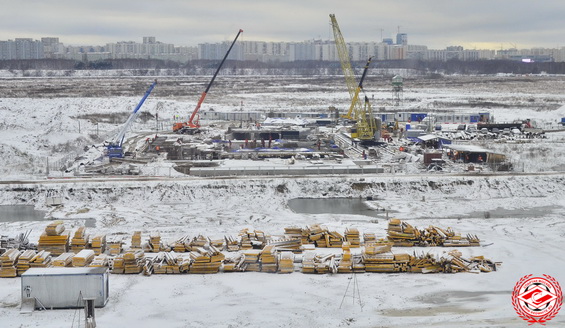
column 193, row 124
column 114, row 147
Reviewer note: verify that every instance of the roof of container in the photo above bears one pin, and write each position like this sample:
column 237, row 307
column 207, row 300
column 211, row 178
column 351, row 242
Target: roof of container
column 64, row 271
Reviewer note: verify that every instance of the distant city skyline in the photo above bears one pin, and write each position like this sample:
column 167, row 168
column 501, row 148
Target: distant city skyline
column 480, row 24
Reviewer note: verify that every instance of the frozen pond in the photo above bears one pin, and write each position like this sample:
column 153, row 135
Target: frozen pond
column 356, row 206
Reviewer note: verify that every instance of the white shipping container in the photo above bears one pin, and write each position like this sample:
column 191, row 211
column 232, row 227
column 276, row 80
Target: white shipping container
column 64, row 287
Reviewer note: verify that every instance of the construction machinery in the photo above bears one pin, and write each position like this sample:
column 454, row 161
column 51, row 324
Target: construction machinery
column 114, row 147
column 360, row 111
column 193, row 123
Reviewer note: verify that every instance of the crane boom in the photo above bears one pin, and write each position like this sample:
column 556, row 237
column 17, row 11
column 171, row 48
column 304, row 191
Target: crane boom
column 192, row 123
column 348, row 71
column 114, row 147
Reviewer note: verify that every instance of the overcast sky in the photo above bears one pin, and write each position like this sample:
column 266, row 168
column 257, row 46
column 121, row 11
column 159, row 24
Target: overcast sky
column 473, row 24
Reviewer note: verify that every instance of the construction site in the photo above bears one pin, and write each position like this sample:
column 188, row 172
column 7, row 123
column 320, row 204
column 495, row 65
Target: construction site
column 392, row 199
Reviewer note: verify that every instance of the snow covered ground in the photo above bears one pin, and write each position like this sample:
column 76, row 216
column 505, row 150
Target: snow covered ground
column 518, row 217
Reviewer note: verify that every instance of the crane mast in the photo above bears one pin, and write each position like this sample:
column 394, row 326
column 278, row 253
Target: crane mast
column 359, row 111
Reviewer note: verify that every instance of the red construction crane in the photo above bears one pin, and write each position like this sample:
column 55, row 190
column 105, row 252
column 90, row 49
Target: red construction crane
column 183, row 127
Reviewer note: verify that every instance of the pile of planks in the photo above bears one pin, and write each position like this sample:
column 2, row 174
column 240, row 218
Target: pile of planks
column 205, row 260
column 130, row 262
column 268, row 259
column 345, row 264
column 42, row 259
column 250, row 239
column 353, row 237
column 101, row 260
column 234, row 264
column 54, row 239
column 232, row 244
column 286, row 262
column 313, row 263
column 403, row 234
column 369, row 237
column 64, row 260
column 170, row 263
column 251, row 260
column 79, row 240
column 293, row 245
column 8, row 262
column 98, row 244
column 24, row 261
column 297, row 233
column 115, row 246
column 155, row 242
column 378, row 257
column 319, row 236
column 83, row 258
column 136, row 240
column 182, row 245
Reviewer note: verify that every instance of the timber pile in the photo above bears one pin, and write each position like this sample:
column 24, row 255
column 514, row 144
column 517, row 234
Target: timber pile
column 24, row 261
column 252, row 239
column 8, row 263
column 403, row 234
column 155, row 242
column 357, row 264
column 379, row 258
column 320, row 236
column 41, row 260
column 296, row 233
column 251, row 260
column 206, row 260
column 64, row 260
column 170, row 263
column 55, row 239
column 129, row 263
column 98, row 244
column 232, row 244
column 293, row 245
column 312, row 263
column 234, row 264
column 268, row 259
column 136, row 240
column 79, row 240
column 115, row 246
column 101, row 260
column 83, row 258
column 200, row 241
column 286, row 262
column 353, row 237
column 182, row 245
column 369, row 238
column 345, row 264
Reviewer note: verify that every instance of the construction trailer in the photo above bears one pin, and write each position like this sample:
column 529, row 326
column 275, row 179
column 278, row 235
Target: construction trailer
column 64, row 288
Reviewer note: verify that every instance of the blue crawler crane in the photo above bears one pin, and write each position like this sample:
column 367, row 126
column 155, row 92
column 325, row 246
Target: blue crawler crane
column 114, row 147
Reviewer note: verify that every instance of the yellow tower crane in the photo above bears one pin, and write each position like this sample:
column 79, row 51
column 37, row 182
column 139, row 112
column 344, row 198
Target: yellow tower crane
column 359, row 111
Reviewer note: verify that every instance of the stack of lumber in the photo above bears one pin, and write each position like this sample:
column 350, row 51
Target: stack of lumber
column 200, row 241
column 316, row 235
column 83, row 258
column 402, row 233
column 293, row 245
column 312, row 263
column 369, row 238
column 268, row 259
column 79, row 240
column 234, row 264
column 167, row 263
column 64, row 260
column 357, row 263
column 136, row 240
column 296, row 233
column 55, row 239
column 115, row 246
column 334, row 239
column 8, row 263
column 101, row 260
column 424, row 264
column 98, row 244
column 41, row 260
column 232, row 244
column 378, row 258
column 24, row 261
column 458, row 241
column 286, row 262
column 155, row 242
column 130, row 262
column 182, row 245
column 206, row 260
column 251, row 259
column 252, row 239
column 345, row 264
column 218, row 243
column 353, row 237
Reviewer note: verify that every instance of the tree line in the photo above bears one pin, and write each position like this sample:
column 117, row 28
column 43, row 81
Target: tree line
column 196, row 67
